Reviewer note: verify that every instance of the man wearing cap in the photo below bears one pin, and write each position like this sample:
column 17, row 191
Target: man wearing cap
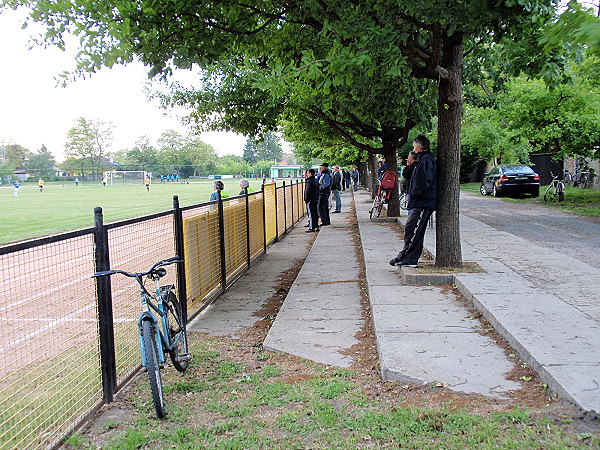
column 324, row 192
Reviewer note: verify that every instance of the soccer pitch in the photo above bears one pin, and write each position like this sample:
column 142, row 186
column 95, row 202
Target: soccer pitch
column 68, row 207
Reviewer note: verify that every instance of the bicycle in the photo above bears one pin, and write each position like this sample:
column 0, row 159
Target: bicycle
column 384, row 192
column 403, row 201
column 155, row 341
column 555, row 190
column 577, row 179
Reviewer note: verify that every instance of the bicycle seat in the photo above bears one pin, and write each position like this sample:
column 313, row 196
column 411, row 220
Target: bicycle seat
column 159, row 272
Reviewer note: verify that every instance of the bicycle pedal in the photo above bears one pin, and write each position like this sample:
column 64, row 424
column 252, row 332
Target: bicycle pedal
column 184, row 357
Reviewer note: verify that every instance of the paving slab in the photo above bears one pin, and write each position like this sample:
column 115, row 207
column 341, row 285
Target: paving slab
column 549, row 316
column 322, row 313
column 424, row 334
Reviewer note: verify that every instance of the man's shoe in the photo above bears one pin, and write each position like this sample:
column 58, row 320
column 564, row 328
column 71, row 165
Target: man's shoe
column 307, row 225
column 393, row 262
column 334, row 212
column 324, row 224
column 405, row 264
column 311, row 230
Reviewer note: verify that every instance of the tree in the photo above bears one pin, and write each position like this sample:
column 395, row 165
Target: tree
column 353, row 66
column 41, row 163
column 250, row 153
column 185, row 155
column 143, row 156
column 89, row 140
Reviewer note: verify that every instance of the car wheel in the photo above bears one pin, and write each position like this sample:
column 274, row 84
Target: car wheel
column 535, row 193
column 483, row 190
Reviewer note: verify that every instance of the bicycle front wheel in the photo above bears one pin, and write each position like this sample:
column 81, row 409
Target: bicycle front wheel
column 153, row 367
column 549, row 194
column 177, row 334
column 374, row 207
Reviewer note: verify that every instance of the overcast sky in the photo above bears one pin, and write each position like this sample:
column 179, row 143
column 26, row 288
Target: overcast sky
column 34, row 111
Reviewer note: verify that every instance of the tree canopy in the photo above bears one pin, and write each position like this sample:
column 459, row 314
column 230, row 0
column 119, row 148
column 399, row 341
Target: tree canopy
column 367, row 71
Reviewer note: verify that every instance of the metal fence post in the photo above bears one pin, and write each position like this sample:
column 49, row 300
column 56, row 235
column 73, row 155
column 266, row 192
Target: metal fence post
column 276, row 217
column 264, row 212
column 180, row 249
column 284, row 210
column 247, row 227
column 292, row 187
column 222, row 241
column 105, row 312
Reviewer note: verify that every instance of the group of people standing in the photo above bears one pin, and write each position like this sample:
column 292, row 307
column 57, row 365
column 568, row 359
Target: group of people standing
column 319, row 187
column 420, row 178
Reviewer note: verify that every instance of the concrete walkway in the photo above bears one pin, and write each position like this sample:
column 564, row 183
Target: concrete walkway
column 426, row 334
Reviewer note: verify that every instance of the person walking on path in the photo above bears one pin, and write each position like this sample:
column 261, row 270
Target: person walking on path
column 355, row 178
column 324, row 193
column 422, row 201
column 336, row 187
column 311, row 197
column 41, row 184
column 347, row 178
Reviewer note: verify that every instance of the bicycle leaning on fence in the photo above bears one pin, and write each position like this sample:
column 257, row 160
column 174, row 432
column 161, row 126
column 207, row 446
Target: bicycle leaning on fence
column 162, row 328
column 555, row 192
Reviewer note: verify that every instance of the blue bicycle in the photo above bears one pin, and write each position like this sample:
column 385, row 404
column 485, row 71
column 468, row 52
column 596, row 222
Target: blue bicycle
column 160, row 307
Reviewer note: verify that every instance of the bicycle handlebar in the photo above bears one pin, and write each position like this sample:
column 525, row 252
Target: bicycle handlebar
column 164, row 262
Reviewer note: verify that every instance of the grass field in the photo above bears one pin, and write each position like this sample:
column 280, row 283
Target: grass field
column 69, row 207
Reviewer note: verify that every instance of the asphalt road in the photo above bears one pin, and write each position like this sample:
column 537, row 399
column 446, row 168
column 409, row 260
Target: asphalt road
column 564, row 232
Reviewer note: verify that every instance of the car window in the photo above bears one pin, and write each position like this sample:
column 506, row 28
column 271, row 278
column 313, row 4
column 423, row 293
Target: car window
column 521, row 168
column 495, row 170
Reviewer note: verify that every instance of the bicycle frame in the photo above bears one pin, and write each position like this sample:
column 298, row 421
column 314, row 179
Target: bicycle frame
column 162, row 338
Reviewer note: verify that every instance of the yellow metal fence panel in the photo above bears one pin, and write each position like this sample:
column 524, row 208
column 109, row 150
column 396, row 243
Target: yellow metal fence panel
column 257, row 229
column 289, row 206
column 270, row 212
column 235, row 236
column 280, row 212
column 202, row 256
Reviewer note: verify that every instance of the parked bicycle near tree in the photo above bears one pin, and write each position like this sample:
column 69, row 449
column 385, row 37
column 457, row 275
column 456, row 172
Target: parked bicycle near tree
column 162, row 328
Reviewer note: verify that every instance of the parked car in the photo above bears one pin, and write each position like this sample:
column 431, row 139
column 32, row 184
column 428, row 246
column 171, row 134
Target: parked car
column 511, row 179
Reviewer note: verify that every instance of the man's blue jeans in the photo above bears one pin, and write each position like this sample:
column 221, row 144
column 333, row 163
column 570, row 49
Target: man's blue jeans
column 338, row 200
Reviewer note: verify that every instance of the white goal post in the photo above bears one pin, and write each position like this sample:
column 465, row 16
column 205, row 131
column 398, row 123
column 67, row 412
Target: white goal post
column 126, row 177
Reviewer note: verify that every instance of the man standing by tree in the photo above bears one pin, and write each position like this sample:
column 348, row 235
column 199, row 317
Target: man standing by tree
column 336, row 187
column 422, row 201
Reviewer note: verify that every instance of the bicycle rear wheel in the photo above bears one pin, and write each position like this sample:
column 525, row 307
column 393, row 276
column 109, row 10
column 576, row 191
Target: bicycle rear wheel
column 177, row 334
column 153, row 367
column 379, row 208
column 403, row 202
column 560, row 192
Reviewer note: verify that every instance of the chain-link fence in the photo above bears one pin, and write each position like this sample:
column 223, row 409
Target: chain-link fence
column 70, row 341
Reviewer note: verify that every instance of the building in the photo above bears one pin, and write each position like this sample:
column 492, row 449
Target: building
column 289, row 171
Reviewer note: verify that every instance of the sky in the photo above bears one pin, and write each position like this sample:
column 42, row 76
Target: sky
column 34, row 110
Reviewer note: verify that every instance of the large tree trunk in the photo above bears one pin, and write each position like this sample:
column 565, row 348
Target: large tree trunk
column 370, row 175
column 391, row 161
column 448, row 250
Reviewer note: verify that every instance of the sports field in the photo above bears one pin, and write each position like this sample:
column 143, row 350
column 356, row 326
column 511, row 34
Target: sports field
column 61, row 207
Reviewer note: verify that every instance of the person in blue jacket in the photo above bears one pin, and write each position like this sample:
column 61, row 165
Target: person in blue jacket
column 422, row 202
column 324, row 193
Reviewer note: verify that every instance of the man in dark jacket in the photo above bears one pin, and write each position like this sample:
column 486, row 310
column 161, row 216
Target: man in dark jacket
column 422, row 201
column 324, row 192
column 311, row 197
